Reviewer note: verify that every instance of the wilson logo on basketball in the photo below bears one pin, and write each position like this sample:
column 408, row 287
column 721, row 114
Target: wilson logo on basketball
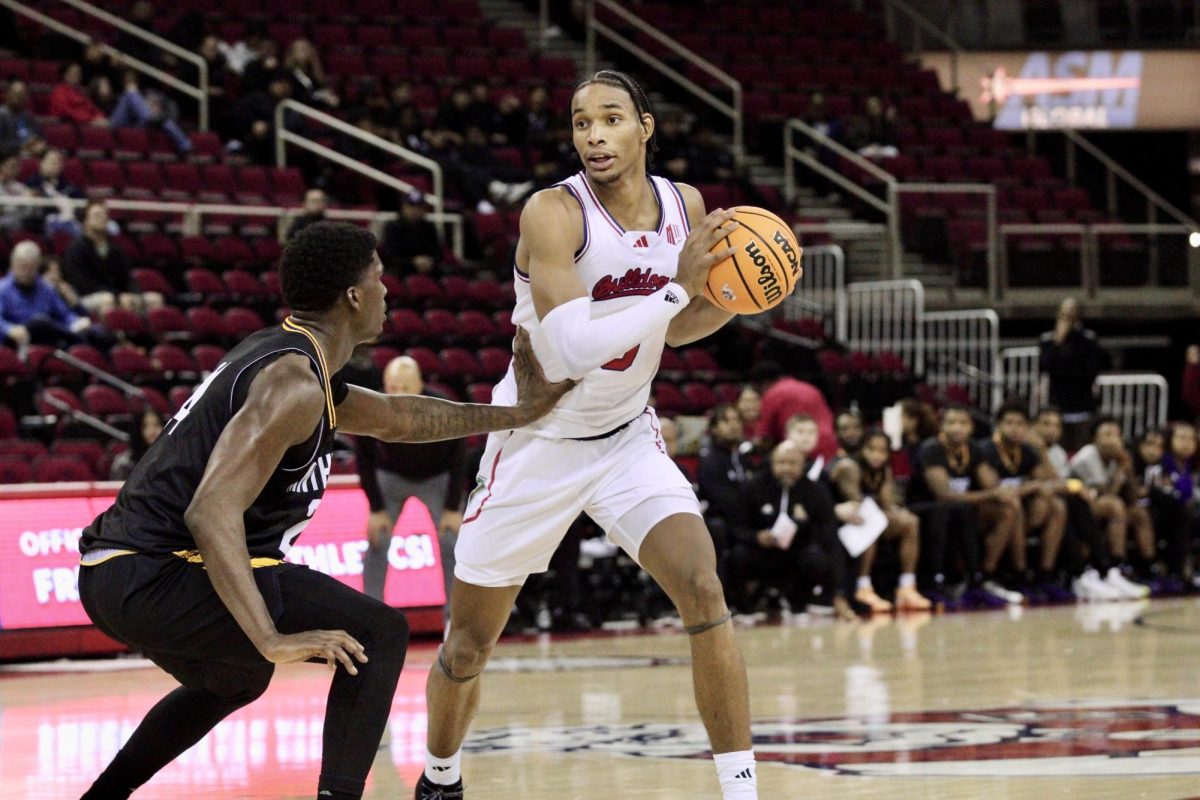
column 766, row 274
column 633, row 283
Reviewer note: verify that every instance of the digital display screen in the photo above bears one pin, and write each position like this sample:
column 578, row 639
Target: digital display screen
column 39, row 553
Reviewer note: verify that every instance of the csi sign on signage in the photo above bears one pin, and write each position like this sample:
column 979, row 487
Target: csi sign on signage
column 1102, row 89
column 39, row 553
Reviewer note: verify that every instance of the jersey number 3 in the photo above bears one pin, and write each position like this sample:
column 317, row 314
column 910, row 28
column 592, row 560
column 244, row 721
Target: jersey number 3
column 624, row 362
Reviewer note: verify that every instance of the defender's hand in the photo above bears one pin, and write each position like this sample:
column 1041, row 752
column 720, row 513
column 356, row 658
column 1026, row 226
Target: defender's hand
column 333, row 646
column 696, row 258
column 535, row 395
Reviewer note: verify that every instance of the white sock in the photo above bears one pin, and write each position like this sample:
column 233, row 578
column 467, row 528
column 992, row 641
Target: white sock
column 738, row 776
column 908, row 580
column 443, row 771
column 864, row 582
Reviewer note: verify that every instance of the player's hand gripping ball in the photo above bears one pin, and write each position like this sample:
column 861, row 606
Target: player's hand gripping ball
column 764, row 268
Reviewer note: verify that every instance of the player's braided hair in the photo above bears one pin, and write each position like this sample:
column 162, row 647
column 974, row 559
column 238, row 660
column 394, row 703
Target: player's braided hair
column 641, row 103
column 321, row 262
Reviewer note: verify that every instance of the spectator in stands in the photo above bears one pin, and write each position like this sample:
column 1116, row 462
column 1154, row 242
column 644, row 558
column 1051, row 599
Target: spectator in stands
column 31, row 312
column 253, row 119
column 1106, row 470
column 782, row 398
column 392, row 472
column 957, row 494
column 722, row 475
column 454, row 116
column 144, row 429
column 1022, row 467
column 410, row 243
column 99, row 269
column 849, row 429
column 50, row 183
column 152, row 109
column 803, row 431
column 12, row 217
column 1048, row 429
column 1191, row 380
column 874, row 480
column 315, row 205
column 512, row 122
column 142, row 15
column 309, row 85
column 880, row 130
column 52, row 273
column 789, row 535
column 918, row 422
column 97, row 63
column 216, row 63
column 19, row 129
column 1085, row 551
column 1070, row 357
column 246, row 50
column 1177, row 512
column 749, row 408
column 672, row 153
column 539, row 121
column 70, row 102
column 817, row 116
column 482, row 112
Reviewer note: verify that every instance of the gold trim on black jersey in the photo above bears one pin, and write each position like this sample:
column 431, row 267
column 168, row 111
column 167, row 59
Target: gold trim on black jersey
column 292, row 326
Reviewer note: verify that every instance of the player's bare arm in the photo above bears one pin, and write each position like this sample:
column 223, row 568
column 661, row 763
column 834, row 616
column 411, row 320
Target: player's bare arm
column 416, row 418
column 283, row 407
column 699, row 319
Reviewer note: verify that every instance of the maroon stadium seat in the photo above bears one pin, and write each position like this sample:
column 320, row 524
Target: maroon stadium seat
column 242, row 322
column 426, row 359
column 8, row 423
column 207, row 356
column 15, row 472
column 126, row 321
column 104, row 401
column 173, row 360
column 475, row 325
column 95, row 141
column 204, row 282
column 23, row 449
column 440, row 323
column 244, row 284
column 90, row 355
column 407, row 325
column 178, row 396
column 668, row 399
column 86, row 450
column 206, row 322
column 149, row 280
column 479, row 393
column 460, row 363
column 129, row 362
column 167, row 319
column 382, row 355
column 494, row 361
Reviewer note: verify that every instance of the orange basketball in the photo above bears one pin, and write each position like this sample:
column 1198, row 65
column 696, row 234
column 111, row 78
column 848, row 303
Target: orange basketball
column 763, row 270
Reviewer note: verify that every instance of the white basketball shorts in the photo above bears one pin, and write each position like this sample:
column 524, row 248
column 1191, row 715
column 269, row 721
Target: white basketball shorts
column 531, row 489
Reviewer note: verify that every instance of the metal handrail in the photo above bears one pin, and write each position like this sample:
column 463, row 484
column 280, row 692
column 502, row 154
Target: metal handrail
column 732, row 110
column 1153, row 198
column 87, row 419
column 923, row 24
column 200, row 93
column 436, row 198
column 128, row 389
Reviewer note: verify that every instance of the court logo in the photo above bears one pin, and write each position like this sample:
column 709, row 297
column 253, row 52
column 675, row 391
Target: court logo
column 1070, row 738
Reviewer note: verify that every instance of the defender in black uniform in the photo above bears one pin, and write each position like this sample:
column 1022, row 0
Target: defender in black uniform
column 1020, row 466
column 954, row 488
column 186, row 566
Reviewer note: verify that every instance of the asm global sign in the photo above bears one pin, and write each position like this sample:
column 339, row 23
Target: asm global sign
column 1106, row 89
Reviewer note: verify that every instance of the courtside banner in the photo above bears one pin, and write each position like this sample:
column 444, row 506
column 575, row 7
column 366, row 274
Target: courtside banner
column 1096, row 89
column 40, row 527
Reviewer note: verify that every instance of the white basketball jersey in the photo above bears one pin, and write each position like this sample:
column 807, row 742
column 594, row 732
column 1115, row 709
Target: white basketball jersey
column 618, row 268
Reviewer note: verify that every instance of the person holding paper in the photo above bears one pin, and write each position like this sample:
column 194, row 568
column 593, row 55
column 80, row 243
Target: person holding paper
column 790, row 534
column 873, row 480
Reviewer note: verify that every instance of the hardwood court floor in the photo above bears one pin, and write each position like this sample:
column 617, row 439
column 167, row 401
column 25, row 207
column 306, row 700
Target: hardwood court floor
column 1087, row 702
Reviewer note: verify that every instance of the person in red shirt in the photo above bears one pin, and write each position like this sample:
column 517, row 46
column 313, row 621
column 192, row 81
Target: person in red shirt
column 783, row 397
column 68, row 100
column 1191, row 380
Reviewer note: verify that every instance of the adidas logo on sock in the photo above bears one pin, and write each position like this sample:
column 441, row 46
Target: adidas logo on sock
column 440, row 769
column 745, row 775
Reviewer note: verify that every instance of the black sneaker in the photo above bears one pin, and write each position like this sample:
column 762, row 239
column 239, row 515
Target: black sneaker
column 428, row 790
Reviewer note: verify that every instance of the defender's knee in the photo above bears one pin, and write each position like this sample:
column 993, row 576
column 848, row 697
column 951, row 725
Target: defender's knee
column 701, row 597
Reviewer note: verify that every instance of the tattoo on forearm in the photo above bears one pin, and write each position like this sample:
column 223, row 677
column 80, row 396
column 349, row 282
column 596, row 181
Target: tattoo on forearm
column 429, row 419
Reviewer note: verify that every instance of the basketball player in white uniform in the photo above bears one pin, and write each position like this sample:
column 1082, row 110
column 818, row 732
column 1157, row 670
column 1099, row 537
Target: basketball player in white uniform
column 608, row 269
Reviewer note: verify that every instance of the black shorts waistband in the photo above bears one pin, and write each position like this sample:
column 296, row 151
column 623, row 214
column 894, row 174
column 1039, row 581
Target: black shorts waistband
column 606, row 434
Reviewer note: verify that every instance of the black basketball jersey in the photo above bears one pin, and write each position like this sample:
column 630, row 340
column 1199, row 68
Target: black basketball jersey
column 1013, row 470
column 961, row 468
column 148, row 514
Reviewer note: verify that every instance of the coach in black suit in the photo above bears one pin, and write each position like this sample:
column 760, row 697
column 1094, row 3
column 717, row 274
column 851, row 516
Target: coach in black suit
column 775, row 501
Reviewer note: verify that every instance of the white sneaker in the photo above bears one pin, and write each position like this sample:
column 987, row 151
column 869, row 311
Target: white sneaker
column 1091, row 588
column 1128, row 589
column 1013, row 598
